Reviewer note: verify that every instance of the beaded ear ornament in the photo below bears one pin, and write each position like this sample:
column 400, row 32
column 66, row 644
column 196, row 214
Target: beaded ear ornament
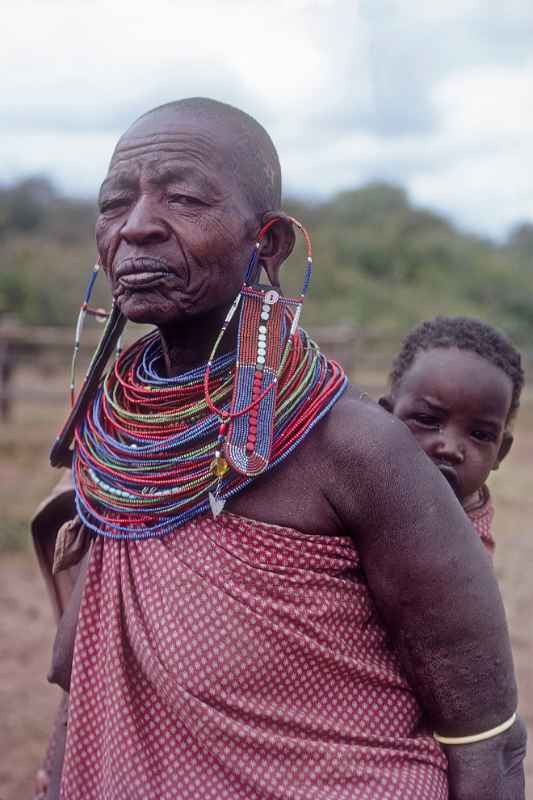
column 86, row 310
column 60, row 454
column 268, row 321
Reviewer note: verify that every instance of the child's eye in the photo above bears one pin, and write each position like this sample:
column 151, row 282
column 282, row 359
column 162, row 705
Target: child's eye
column 427, row 420
column 484, row 436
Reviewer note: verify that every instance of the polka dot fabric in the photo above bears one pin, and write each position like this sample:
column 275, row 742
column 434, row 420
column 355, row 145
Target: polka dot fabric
column 235, row 660
column 482, row 519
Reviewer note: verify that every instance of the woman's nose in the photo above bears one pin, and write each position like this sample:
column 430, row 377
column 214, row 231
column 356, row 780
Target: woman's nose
column 143, row 226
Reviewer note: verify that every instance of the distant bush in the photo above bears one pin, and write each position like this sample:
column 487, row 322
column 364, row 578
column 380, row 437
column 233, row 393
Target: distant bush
column 385, row 264
column 380, row 262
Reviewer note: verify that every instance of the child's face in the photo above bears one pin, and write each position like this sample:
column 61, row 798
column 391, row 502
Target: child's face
column 456, row 404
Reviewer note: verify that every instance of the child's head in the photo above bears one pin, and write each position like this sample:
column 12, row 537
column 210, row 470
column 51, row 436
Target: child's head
column 456, row 383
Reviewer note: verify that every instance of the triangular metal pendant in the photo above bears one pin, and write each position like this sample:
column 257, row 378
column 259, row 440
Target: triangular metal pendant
column 216, row 504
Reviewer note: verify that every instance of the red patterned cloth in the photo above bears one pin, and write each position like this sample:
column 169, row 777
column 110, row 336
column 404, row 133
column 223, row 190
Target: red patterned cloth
column 481, row 518
column 235, row 660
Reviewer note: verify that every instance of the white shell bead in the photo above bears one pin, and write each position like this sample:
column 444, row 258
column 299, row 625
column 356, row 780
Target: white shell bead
column 271, row 297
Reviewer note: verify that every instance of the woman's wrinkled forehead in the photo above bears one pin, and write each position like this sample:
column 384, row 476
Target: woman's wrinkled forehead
column 225, row 142
column 162, row 149
column 161, row 136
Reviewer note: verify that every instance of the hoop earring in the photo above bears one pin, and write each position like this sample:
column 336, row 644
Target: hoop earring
column 60, row 454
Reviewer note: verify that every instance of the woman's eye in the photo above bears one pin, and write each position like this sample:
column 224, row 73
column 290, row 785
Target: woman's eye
column 113, row 204
column 184, row 200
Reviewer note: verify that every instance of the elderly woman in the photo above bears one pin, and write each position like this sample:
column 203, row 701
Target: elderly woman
column 269, row 603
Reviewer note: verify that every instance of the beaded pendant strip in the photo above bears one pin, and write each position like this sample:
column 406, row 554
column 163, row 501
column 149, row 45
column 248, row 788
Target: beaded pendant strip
column 144, row 449
column 263, row 332
column 268, row 321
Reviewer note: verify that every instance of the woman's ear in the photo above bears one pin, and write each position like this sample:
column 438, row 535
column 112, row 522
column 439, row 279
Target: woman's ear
column 277, row 244
column 507, row 443
column 386, row 403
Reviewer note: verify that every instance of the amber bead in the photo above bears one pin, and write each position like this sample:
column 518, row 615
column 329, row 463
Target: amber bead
column 219, row 466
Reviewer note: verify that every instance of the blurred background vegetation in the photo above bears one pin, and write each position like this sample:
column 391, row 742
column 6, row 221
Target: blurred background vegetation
column 381, row 264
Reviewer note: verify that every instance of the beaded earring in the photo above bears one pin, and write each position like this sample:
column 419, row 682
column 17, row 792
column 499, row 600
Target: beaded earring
column 268, row 321
column 85, row 310
column 60, row 454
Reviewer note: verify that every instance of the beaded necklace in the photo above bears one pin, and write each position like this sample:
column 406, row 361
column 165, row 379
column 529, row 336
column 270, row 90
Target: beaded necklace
column 152, row 452
column 140, row 474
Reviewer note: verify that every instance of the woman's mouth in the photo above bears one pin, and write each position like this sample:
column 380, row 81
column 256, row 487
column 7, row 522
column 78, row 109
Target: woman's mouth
column 138, row 280
column 140, row 272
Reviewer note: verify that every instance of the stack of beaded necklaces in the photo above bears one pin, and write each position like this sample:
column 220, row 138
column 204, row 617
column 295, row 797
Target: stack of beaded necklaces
column 145, row 447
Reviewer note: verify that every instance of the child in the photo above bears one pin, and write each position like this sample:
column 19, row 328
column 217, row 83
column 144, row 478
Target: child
column 456, row 384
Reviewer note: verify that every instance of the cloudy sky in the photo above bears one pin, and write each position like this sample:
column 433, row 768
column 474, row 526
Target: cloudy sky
column 434, row 94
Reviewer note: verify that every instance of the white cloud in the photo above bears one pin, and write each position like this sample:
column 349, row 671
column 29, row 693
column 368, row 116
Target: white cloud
column 479, row 103
column 473, row 193
column 487, row 126
column 77, row 161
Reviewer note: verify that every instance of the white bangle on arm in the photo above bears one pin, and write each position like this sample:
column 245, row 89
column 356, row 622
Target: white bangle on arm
column 477, row 737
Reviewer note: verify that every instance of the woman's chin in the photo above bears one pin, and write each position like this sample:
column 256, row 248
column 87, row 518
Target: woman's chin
column 146, row 308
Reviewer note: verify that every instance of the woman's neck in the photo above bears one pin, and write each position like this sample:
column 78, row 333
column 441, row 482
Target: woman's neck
column 188, row 344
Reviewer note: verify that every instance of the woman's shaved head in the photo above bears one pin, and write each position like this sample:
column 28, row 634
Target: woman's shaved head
column 254, row 159
column 189, row 185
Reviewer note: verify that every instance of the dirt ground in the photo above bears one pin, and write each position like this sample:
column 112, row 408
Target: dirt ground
column 27, row 702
